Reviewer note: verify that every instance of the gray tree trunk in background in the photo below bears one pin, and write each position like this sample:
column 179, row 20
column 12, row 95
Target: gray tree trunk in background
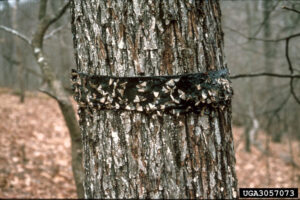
column 269, row 50
column 53, row 86
column 7, row 48
column 269, row 55
column 251, row 10
column 129, row 154
column 19, row 56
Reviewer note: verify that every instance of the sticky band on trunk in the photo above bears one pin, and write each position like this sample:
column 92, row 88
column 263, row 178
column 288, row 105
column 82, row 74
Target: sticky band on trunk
column 176, row 94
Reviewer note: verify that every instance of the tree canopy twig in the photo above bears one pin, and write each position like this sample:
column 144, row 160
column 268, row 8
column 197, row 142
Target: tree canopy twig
column 291, row 9
column 52, row 19
column 265, row 19
column 16, row 33
column 276, row 40
column 264, row 74
column 262, row 39
column 290, row 66
column 53, row 32
column 16, row 62
column 291, row 70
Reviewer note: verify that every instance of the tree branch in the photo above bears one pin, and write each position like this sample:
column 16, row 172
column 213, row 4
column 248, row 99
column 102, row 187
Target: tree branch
column 262, row 39
column 10, row 60
column 291, row 9
column 293, row 91
column 265, row 19
column 264, row 74
column 287, row 55
column 44, row 24
column 290, row 66
column 291, row 70
column 50, row 94
column 16, row 33
column 53, row 32
column 275, row 40
column 16, row 62
column 54, row 18
column 278, row 108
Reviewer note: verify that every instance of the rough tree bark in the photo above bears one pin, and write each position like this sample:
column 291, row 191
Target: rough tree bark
column 129, row 154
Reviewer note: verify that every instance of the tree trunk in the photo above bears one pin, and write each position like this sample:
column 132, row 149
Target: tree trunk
column 21, row 81
column 129, row 154
column 7, row 47
column 54, row 88
column 269, row 50
column 269, row 54
column 251, row 10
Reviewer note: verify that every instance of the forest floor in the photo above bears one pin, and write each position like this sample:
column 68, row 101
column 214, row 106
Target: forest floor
column 35, row 159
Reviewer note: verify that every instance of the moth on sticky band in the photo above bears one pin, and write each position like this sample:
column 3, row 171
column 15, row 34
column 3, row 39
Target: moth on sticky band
column 153, row 94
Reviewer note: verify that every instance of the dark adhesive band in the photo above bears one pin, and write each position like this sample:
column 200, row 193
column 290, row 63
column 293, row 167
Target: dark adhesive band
column 172, row 94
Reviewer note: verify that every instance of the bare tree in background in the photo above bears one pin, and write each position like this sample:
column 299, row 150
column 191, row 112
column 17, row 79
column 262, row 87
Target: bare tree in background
column 53, row 87
column 7, row 46
column 19, row 56
column 261, row 45
column 130, row 154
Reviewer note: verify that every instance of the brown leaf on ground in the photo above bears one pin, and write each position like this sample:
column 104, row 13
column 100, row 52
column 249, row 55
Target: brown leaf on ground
column 35, row 157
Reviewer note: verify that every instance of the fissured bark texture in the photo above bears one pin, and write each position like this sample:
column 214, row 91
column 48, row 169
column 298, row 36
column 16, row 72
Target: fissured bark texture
column 134, row 155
